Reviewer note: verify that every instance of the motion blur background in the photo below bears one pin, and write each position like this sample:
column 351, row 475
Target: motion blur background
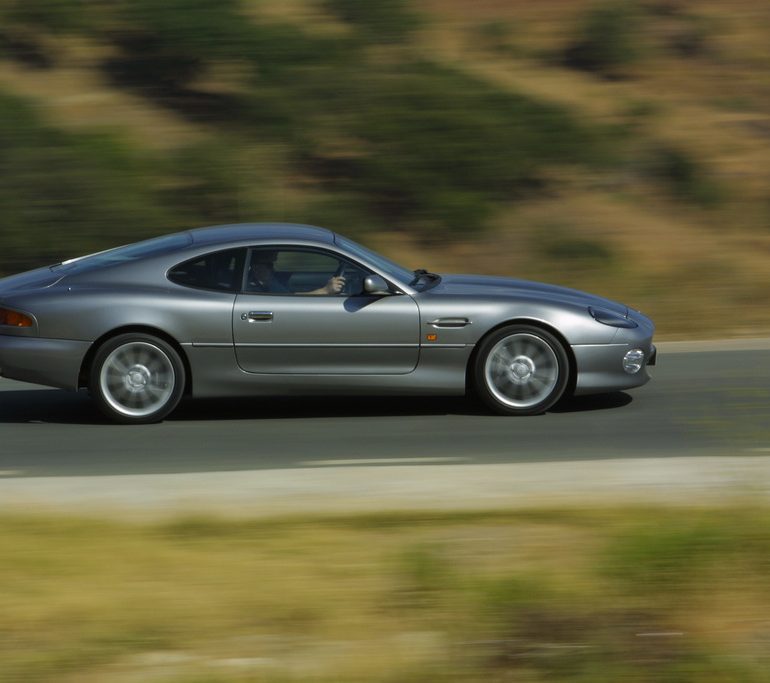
column 618, row 146
column 621, row 147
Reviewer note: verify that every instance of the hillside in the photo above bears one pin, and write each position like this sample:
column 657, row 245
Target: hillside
column 621, row 147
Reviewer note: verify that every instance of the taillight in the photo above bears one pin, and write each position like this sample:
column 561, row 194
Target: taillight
column 14, row 318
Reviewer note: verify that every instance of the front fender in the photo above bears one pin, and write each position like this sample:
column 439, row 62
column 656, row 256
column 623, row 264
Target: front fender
column 573, row 322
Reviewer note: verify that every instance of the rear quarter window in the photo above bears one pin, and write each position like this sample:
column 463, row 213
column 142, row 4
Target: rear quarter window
column 220, row 271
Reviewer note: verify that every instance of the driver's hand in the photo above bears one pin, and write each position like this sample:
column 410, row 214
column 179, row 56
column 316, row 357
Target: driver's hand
column 335, row 285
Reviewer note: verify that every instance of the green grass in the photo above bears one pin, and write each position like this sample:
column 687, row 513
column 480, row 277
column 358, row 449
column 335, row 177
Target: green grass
column 568, row 595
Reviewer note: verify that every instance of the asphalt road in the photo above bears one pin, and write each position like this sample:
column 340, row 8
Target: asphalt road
column 707, row 403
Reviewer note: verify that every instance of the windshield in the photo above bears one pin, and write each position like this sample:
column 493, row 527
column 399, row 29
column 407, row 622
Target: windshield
column 129, row 252
column 387, row 266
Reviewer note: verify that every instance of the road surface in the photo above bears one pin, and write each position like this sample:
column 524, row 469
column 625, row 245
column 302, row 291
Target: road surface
column 700, row 427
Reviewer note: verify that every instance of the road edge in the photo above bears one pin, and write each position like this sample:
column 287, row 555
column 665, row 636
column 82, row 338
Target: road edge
column 694, row 346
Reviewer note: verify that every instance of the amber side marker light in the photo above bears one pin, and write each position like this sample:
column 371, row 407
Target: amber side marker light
column 14, row 318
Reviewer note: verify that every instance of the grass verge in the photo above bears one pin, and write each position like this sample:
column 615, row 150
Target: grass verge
column 567, row 595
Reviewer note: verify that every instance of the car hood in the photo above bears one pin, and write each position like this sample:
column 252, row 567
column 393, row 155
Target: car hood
column 479, row 285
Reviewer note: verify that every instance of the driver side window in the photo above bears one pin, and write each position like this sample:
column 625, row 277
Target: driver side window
column 301, row 272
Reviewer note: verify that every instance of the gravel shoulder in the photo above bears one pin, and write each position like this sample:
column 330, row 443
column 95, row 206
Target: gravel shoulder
column 333, row 489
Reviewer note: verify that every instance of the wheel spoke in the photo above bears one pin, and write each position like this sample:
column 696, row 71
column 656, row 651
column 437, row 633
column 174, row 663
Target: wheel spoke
column 122, row 394
column 119, row 366
column 517, row 349
column 143, row 398
column 504, row 356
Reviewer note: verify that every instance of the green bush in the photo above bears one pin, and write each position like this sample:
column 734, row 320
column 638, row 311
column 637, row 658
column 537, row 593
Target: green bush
column 691, row 37
column 57, row 16
column 26, row 27
column 683, row 176
column 63, row 194
column 401, row 144
column 670, row 556
column 215, row 182
column 575, row 251
column 607, row 41
column 167, row 44
column 382, row 21
column 496, row 37
column 162, row 48
column 445, row 146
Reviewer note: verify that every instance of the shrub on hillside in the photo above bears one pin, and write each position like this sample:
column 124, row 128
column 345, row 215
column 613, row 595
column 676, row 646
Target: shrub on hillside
column 437, row 144
column 167, row 44
column 164, row 47
column 57, row 16
column 691, row 37
column 607, row 42
column 683, row 176
column 64, row 194
column 24, row 48
column 497, row 37
column 216, row 182
column 577, row 252
column 383, row 21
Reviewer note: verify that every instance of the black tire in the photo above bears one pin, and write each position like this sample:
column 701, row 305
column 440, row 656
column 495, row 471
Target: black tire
column 137, row 378
column 520, row 370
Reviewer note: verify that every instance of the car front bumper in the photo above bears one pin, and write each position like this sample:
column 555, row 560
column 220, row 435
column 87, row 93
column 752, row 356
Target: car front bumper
column 600, row 367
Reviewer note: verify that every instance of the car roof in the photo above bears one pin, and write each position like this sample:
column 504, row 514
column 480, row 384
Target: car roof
column 240, row 232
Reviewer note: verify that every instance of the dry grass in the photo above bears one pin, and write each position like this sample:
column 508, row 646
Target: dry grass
column 398, row 597
column 74, row 94
column 697, row 271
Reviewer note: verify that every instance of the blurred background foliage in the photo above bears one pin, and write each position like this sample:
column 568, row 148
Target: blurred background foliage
column 620, row 146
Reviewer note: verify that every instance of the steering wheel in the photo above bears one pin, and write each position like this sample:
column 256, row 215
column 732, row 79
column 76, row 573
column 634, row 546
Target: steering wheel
column 344, row 271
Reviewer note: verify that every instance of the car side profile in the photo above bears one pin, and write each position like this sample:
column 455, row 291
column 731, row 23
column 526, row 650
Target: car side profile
column 275, row 309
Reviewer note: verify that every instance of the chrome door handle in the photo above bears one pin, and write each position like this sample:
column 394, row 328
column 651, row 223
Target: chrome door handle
column 257, row 316
column 449, row 322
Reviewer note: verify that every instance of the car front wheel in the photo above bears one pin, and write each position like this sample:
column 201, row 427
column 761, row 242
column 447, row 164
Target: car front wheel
column 137, row 378
column 521, row 370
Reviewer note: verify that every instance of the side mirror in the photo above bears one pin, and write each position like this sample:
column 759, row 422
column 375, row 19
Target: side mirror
column 375, row 284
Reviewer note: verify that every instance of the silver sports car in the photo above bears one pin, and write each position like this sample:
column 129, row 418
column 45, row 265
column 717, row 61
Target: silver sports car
column 271, row 309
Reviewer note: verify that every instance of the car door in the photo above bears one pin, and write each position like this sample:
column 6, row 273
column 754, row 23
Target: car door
column 287, row 324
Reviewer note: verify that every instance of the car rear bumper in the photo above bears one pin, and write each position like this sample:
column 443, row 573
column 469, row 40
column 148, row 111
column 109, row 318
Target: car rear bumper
column 52, row 362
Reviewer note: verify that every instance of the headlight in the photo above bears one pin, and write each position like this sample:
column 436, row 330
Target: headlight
column 612, row 319
column 633, row 361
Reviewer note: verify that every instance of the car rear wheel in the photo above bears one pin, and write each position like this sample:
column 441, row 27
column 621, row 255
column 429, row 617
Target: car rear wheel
column 137, row 378
column 521, row 370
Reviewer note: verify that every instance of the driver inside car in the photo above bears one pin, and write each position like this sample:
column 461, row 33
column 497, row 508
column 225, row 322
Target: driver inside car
column 262, row 278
